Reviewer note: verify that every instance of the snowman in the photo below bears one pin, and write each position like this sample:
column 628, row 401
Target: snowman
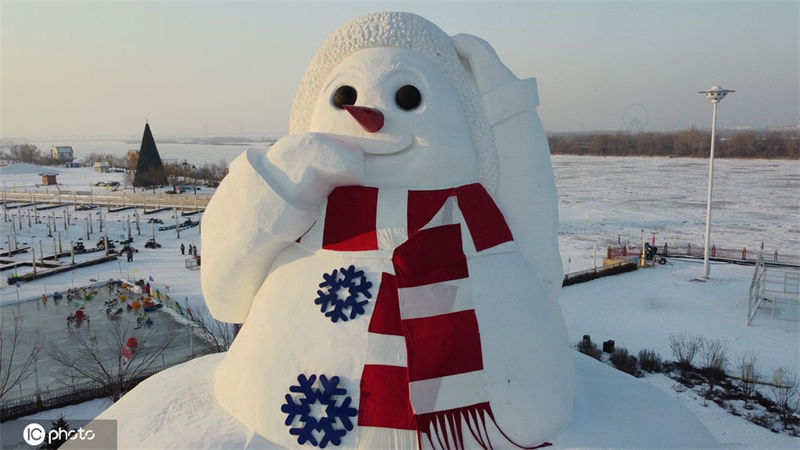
column 394, row 260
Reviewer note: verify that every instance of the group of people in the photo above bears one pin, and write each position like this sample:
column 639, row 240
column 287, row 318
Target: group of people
column 192, row 249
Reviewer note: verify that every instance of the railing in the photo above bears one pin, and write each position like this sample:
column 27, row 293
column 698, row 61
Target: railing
column 697, row 251
column 109, row 198
column 776, row 288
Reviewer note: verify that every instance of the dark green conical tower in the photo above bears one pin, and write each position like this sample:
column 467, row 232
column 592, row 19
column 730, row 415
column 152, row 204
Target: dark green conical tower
column 149, row 169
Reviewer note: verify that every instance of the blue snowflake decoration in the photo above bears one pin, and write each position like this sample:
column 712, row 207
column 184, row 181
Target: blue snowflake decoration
column 344, row 293
column 336, row 421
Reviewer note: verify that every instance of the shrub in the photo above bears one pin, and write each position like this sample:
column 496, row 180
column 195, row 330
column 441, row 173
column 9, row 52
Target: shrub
column 747, row 366
column 650, row 361
column 762, row 420
column 712, row 362
column 713, row 355
column 787, row 397
column 587, row 347
column 684, row 349
column 625, row 362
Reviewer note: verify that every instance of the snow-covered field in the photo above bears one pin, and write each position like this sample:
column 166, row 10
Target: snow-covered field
column 640, row 310
column 601, row 200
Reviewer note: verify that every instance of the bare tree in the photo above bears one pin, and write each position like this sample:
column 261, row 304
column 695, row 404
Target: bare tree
column 218, row 334
column 713, row 362
column 747, row 366
column 176, row 173
column 787, row 397
column 211, row 173
column 713, row 354
column 110, row 357
column 25, row 153
column 131, row 159
column 218, row 170
column 684, row 349
column 16, row 364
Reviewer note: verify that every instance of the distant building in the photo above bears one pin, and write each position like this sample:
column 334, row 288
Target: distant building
column 101, row 167
column 48, row 178
column 62, row 153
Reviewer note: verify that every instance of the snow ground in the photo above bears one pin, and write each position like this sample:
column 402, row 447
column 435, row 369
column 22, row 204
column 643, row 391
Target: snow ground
column 600, row 198
column 166, row 265
column 639, row 310
column 611, row 410
column 730, row 431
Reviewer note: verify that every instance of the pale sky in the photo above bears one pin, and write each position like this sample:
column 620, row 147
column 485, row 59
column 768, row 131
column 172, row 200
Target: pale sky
column 101, row 68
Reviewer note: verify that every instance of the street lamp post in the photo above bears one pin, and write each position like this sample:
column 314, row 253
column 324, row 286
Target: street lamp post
column 715, row 94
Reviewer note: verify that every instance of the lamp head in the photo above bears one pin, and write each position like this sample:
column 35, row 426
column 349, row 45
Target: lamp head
column 716, row 93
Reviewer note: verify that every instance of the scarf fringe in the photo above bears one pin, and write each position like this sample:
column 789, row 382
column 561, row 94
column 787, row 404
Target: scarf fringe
column 446, row 426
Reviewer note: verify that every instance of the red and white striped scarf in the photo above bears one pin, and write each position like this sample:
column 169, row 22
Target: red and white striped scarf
column 423, row 311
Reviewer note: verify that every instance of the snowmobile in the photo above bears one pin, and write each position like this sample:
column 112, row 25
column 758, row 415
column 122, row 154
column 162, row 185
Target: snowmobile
column 151, row 243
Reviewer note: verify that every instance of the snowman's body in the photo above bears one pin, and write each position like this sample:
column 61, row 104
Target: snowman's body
column 521, row 365
column 478, row 358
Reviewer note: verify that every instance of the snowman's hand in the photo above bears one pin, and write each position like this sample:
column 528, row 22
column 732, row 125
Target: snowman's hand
column 482, row 63
column 306, row 167
column 267, row 200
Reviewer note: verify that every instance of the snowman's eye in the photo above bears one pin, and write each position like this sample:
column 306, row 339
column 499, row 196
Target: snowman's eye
column 344, row 95
column 408, row 97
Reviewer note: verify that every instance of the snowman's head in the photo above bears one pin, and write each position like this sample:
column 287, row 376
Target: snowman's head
column 393, row 83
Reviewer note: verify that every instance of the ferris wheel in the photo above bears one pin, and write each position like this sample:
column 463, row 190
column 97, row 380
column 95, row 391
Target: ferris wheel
column 635, row 118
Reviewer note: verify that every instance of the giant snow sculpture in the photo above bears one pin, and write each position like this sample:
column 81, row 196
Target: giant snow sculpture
column 394, row 259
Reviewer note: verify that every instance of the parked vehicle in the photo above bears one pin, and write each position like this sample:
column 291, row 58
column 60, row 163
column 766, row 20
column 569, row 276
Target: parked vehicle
column 151, row 243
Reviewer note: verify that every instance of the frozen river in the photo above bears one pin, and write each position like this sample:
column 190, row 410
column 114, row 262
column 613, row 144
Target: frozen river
column 196, row 153
column 603, row 199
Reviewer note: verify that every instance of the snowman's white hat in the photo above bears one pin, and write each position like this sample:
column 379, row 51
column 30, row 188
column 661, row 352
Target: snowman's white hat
column 411, row 32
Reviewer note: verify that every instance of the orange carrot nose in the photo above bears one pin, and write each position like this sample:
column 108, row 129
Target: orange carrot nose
column 369, row 118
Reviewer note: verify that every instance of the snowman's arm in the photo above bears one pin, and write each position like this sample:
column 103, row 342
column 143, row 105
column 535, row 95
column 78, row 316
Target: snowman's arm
column 245, row 226
column 267, row 201
column 526, row 189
